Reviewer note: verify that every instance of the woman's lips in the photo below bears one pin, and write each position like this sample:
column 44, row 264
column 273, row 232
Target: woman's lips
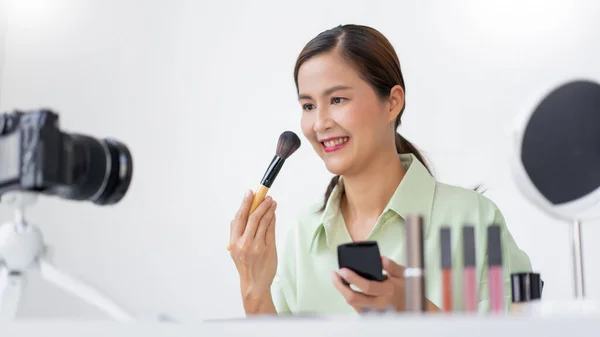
column 334, row 143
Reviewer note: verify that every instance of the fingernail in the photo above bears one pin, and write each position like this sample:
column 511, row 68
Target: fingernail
column 344, row 273
column 268, row 199
column 248, row 193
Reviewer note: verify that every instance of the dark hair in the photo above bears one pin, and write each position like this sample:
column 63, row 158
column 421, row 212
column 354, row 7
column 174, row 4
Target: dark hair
column 376, row 62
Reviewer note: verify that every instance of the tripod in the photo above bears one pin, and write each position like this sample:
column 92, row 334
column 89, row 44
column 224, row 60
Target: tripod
column 22, row 248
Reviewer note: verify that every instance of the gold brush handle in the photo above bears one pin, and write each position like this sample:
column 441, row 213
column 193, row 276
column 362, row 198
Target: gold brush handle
column 259, row 196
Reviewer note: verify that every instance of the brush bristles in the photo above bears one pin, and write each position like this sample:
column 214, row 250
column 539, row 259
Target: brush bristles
column 288, row 144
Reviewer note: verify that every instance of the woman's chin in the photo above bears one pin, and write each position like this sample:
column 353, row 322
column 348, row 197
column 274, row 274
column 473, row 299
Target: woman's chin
column 337, row 167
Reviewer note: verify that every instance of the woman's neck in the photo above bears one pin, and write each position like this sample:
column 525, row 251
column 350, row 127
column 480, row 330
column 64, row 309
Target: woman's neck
column 367, row 194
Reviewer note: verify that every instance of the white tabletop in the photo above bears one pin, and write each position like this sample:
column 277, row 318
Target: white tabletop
column 434, row 326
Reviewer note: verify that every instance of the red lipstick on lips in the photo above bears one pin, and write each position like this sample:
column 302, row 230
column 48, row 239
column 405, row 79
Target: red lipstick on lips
column 334, row 147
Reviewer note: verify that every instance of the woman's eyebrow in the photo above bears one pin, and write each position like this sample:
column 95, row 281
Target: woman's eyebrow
column 326, row 92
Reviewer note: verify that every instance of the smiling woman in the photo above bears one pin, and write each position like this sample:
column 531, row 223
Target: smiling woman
column 352, row 94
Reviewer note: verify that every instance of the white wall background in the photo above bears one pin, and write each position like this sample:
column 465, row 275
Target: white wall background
column 190, row 86
column 3, row 19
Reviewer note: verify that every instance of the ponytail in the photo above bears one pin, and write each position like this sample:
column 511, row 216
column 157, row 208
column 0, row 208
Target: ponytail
column 334, row 181
column 404, row 146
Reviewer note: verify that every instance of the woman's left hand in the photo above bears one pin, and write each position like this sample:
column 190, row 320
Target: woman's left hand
column 376, row 295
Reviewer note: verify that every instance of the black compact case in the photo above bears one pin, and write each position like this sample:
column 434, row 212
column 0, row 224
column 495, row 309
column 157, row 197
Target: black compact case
column 363, row 258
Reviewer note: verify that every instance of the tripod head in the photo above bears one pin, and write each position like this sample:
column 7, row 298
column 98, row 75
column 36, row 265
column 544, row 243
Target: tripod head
column 21, row 244
column 20, row 200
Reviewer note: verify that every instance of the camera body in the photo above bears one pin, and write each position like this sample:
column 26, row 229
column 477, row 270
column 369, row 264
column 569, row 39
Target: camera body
column 36, row 156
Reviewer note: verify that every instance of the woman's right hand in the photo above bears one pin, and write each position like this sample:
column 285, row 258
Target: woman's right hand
column 252, row 247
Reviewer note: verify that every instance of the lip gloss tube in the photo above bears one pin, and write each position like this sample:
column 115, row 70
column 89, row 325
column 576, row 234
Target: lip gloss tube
column 414, row 274
column 469, row 266
column 446, row 262
column 495, row 273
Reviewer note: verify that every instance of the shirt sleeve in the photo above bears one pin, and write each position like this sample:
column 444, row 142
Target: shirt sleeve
column 278, row 295
column 514, row 260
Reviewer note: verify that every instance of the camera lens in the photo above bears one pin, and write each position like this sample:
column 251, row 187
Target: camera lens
column 100, row 170
column 119, row 175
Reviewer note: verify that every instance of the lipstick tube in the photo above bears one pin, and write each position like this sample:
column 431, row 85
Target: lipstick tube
column 495, row 273
column 469, row 266
column 446, row 263
column 414, row 274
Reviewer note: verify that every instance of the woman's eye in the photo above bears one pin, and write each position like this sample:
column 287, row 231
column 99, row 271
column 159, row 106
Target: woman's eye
column 337, row 100
column 307, row 106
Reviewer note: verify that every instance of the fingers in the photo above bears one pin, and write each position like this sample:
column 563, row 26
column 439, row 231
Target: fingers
column 255, row 219
column 353, row 298
column 392, row 268
column 265, row 222
column 270, row 235
column 372, row 288
column 238, row 225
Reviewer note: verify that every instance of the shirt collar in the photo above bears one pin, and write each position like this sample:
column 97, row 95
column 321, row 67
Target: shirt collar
column 413, row 196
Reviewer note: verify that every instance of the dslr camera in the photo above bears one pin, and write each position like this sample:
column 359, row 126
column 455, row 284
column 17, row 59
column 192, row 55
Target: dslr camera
column 36, row 156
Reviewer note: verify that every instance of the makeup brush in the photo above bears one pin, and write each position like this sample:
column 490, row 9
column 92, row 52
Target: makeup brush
column 288, row 144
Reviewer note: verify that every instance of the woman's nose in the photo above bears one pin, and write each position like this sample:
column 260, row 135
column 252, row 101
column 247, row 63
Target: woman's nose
column 323, row 120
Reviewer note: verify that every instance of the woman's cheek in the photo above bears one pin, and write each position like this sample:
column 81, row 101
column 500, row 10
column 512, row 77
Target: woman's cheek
column 306, row 126
column 352, row 117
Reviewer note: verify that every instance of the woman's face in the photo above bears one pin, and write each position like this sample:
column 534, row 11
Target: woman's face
column 346, row 122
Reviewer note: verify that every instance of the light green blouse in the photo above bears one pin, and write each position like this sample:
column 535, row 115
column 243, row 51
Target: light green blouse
column 308, row 253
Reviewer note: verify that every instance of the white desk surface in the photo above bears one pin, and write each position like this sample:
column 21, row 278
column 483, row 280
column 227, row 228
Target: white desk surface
column 452, row 326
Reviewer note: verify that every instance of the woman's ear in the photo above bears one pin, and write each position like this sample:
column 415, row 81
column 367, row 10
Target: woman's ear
column 396, row 102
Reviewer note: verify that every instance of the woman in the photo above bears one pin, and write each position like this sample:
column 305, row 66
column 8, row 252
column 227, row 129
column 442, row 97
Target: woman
column 351, row 91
